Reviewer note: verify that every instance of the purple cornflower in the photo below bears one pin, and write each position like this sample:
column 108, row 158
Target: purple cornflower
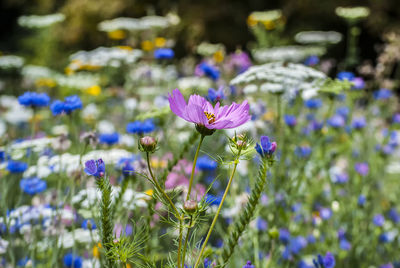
column 344, row 244
column 336, row 121
column 216, row 95
column 249, row 265
column 396, row 118
column 267, row 148
column 382, row 94
column 378, row 220
column 362, row 168
column 199, row 111
column 325, row 262
column 358, row 83
column 95, row 168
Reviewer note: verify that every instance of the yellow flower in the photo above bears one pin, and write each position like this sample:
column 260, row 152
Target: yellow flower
column 117, row 34
column 218, row 56
column 149, row 192
column 45, row 82
column 269, row 24
column 96, row 252
column 125, row 47
column 268, row 116
column 251, row 21
column 160, row 42
column 69, row 71
column 94, row 90
column 147, row 45
column 128, row 265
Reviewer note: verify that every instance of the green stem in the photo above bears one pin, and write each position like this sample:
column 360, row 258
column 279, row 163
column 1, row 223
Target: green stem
column 194, row 167
column 177, row 214
column 218, row 211
column 186, row 242
column 180, row 244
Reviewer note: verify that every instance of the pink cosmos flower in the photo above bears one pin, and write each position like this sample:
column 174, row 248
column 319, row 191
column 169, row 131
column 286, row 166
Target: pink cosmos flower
column 199, row 111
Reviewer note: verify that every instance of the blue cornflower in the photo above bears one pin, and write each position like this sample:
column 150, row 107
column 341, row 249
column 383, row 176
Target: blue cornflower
column 23, row 262
column 311, row 60
column 340, row 178
column 16, row 166
column 248, row 265
column 378, row 220
column 89, row 222
column 325, row 262
column 70, row 260
column 313, row 103
column 70, row 104
column 336, row 121
column 140, row 127
column 325, row 213
column 209, row 71
column 290, row 120
column 212, row 200
column 164, row 53
column 126, row 165
column 345, row 76
column 2, row 156
column 382, row 94
column 394, row 215
column 95, row 168
column 361, row 200
column 207, row 263
column 296, row 244
column 262, row 224
column 343, row 111
column 284, row 235
column 109, row 138
column 57, row 107
column 344, row 244
column 311, row 239
column 267, row 148
column 386, row 237
column 303, row 151
column 362, row 168
column 315, row 125
column 216, row 95
column 206, row 163
column 34, row 99
column 396, row 118
column 359, row 123
column 33, row 185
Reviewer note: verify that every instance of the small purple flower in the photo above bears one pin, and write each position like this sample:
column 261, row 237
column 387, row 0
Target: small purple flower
column 341, row 178
column 95, row 168
column 249, row 265
column 311, row 60
column 394, row 215
column 378, row 220
column 362, row 168
column 303, row 151
column 199, row 111
column 284, row 236
column 267, row 148
column 361, row 200
column 325, row 262
column 345, row 76
column 396, row 118
column 358, row 83
column 325, row 213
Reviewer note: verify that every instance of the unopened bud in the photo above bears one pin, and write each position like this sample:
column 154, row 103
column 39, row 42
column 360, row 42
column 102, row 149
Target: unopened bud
column 190, row 206
column 147, row 144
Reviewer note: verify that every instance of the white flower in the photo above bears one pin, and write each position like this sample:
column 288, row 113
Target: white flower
column 287, row 53
column 35, row 21
column 3, row 245
column 133, row 24
column 194, row 82
column 90, row 111
column 18, row 114
column 11, row 61
column 352, row 13
column 318, row 37
column 105, row 127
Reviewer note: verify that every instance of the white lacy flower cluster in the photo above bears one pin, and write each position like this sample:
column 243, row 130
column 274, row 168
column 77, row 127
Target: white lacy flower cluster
column 34, row 72
column 35, row 21
column 287, row 53
column 11, row 62
column 269, row 15
column 194, row 82
column 282, row 78
column 88, row 198
column 69, row 163
column 133, row 24
column 15, row 113
column 105, row 56
column 352, row 13
column 22, row 218
column 318, row 37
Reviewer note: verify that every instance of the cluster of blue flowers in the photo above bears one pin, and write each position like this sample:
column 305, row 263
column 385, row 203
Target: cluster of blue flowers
column 67, row 106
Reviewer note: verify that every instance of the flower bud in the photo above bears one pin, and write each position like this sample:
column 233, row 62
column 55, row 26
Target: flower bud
column 204, row 131
column 147, row 144
column 190, row 206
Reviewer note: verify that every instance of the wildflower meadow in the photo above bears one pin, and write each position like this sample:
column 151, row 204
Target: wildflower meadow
column 147, row 140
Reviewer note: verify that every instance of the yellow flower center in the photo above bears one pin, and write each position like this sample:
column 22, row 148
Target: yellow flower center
column 210, row 117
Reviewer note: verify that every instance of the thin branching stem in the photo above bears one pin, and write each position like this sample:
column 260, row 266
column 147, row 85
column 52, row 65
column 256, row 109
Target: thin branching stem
column 194, row 167
column 218, row 211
